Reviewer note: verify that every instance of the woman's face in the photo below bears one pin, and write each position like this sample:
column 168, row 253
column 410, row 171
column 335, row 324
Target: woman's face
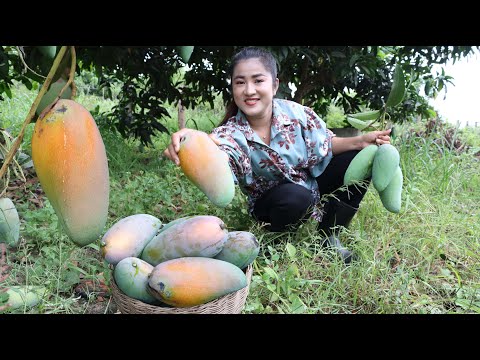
column 253, row 89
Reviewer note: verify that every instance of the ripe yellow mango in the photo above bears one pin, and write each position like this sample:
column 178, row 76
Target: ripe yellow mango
column 202, row 235
column 190, row 281
column 71, row 164
column 128, row 237
column 206, row 166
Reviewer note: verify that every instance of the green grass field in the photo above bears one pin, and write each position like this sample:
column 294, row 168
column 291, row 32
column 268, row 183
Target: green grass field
column 423, row 260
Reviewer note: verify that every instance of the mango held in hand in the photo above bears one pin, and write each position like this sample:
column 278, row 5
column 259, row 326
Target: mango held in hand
column 385, row 163
column 206, row 166
column 190, row 281
column 71, row 164
column 391, row 196
column 201, row 235
column 128, row 237
column 360, row 167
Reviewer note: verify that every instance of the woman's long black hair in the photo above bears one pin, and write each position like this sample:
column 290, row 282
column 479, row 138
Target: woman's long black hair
column 267, row 60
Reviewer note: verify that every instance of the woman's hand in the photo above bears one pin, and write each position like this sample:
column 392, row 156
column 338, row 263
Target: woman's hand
column 172, row 150
column 378, row 137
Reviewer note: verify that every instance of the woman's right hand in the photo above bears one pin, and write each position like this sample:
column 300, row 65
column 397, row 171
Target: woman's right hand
column 172, row 150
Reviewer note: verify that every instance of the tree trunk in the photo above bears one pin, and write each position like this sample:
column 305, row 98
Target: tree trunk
column 181, row 115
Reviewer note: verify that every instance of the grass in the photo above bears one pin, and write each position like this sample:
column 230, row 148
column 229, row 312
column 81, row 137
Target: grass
column 423, row 260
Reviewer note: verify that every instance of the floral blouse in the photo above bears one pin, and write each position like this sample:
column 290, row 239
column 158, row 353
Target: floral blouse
column 300, row 149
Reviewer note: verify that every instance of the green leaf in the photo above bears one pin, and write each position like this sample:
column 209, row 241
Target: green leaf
column 297, row 307
column 398, row 88
column 427, row 88
column 357, row 124
column 366, row 115
column 291, row 250
column 8, row 91
column 270, row 272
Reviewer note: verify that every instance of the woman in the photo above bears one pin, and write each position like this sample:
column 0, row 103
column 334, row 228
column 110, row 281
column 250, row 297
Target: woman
column 282, row 155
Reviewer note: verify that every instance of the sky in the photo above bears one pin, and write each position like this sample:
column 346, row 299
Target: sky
column 461, row 101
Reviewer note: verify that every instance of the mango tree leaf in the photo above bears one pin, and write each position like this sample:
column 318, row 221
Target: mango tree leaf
column 366, row 115
column 398, row 87
column 357, row 124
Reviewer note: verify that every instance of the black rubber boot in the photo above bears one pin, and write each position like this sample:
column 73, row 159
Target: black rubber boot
column 337, row 214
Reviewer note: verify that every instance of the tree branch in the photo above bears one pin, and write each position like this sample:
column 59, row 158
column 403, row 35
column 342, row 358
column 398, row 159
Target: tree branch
column 31, row 113
column 181, row 115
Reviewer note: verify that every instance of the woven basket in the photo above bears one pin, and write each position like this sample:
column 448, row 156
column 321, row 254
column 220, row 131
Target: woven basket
column 232, row 303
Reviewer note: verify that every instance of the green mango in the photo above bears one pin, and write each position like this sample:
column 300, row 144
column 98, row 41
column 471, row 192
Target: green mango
column 25, row 296
column 185, row 52
column 360, row 168
column 240, row 249
column 52, row 94
column 385, row 163
column 9, row 223
column 391, row 197
column 131, row 276
column 48, row 51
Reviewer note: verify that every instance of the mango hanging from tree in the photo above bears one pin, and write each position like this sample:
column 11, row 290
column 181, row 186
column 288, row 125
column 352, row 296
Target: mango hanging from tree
column 71, row 164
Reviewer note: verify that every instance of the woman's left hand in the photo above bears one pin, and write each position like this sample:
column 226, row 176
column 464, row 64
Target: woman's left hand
column 378, row 137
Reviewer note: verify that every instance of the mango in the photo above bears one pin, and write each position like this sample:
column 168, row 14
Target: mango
column 391, row 196
column 385, row 163
column 191, row 281
column 240, row 249
column 174, row 222
column 360, row 168
column 9, row 223
column 131, row 276
column 52, row 94
column 207, row 167
column 25, row 296
column 201, row 235
column 128, row 237
column 71, row 164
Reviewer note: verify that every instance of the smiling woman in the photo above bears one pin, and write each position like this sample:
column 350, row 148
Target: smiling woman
column 459, row 105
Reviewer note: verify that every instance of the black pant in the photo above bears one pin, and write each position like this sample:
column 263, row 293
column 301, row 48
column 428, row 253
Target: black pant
column 288, row 204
